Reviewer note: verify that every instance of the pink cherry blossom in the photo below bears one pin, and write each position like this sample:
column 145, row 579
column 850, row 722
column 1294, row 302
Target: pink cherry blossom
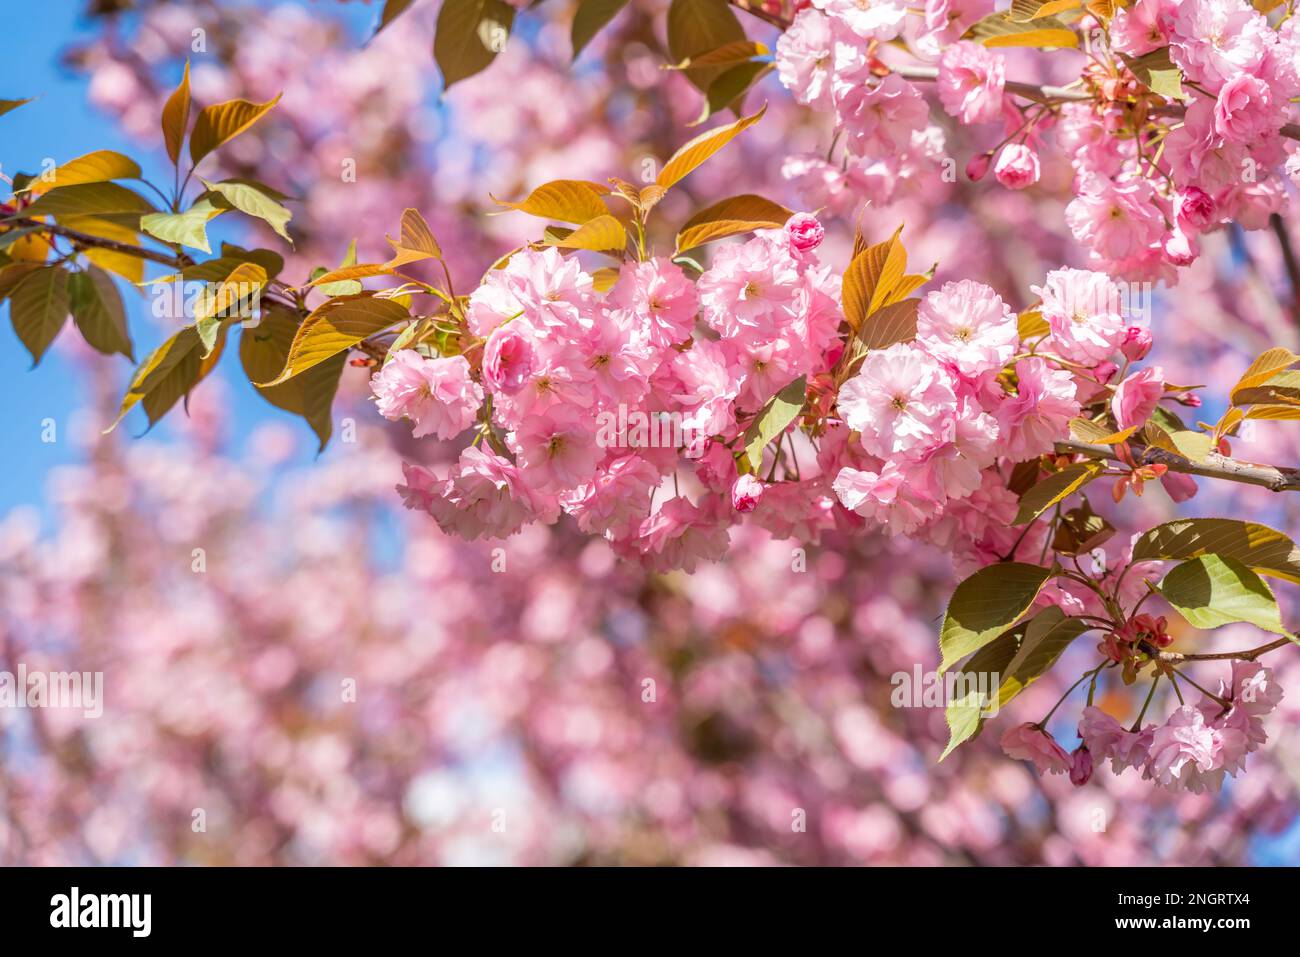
column 437, row 395
column 1016, row 166
column 557, row 449
column 805, row 56
column 483, row 496
column 1037, row 416
column 967, row 325
column 885, row 498
column 1137, row 397
column 971, row 78
column 660, row 297
column 680, row 535
column 1244, row 110
column 900, row 401
column 1083, row 310
column 749, row 289
column 1029, row 742
column 1184, row 748
column 507, row 360
column 873, row 20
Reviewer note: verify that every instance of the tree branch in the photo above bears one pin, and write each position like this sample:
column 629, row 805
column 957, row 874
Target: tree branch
column 1250, row 654
column 1030, row 91
column 88, row 241
column 1216, row 466
column 1288, row 260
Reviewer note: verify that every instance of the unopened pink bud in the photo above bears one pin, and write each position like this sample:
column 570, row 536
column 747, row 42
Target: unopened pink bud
column 1017, row 166
column 1194, row 210
column 1180, row 249
column 978, row 166
column 1080, row 766
column 745, row 493
column 1137, row 343
column 804, row 232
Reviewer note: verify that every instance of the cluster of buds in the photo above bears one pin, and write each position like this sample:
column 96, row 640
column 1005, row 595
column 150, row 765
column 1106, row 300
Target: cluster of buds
column 1134, row 644
column 1138, row 474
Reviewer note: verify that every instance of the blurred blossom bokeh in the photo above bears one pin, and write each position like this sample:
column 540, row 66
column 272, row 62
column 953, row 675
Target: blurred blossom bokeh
column 299, row 671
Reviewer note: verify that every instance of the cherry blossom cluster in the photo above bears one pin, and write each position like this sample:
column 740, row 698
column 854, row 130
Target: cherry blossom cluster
column 629, row 410
column 588, row 403
column 1152, row 172
column 943, row 418
column 1196, row 747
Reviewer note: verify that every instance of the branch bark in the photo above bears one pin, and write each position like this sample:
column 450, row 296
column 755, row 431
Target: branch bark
column 1250, row 654
column 1273, row 478
column 87, row 241
column 1278, row 226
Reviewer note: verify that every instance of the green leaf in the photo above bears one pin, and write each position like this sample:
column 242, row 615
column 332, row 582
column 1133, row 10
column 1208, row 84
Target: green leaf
column 1190, row 444
column 696, row 27
column 1157, row 73
column 167, row 375
column 189, row 228
column 1010, row 663
column 254, row 202
column 222, row 122
column 965, row 713
column 1057, row 487
column 1215, row 590
column 101, row 200
column 1047, row 636
column 729, row 54
column 12, row 273
column 730, row 217
column 263, row 351
column 773, row 419
column 335, row 327
column 234, row 295
column 98, row 312
column 728, row 89
column 469, row 35
column 591, row 17
column 38, row 307
column 1263, row 549
column 986, row 604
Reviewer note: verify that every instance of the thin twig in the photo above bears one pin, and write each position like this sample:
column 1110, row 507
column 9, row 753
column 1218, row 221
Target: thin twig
column 1250, row 654
column 1288, row 260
